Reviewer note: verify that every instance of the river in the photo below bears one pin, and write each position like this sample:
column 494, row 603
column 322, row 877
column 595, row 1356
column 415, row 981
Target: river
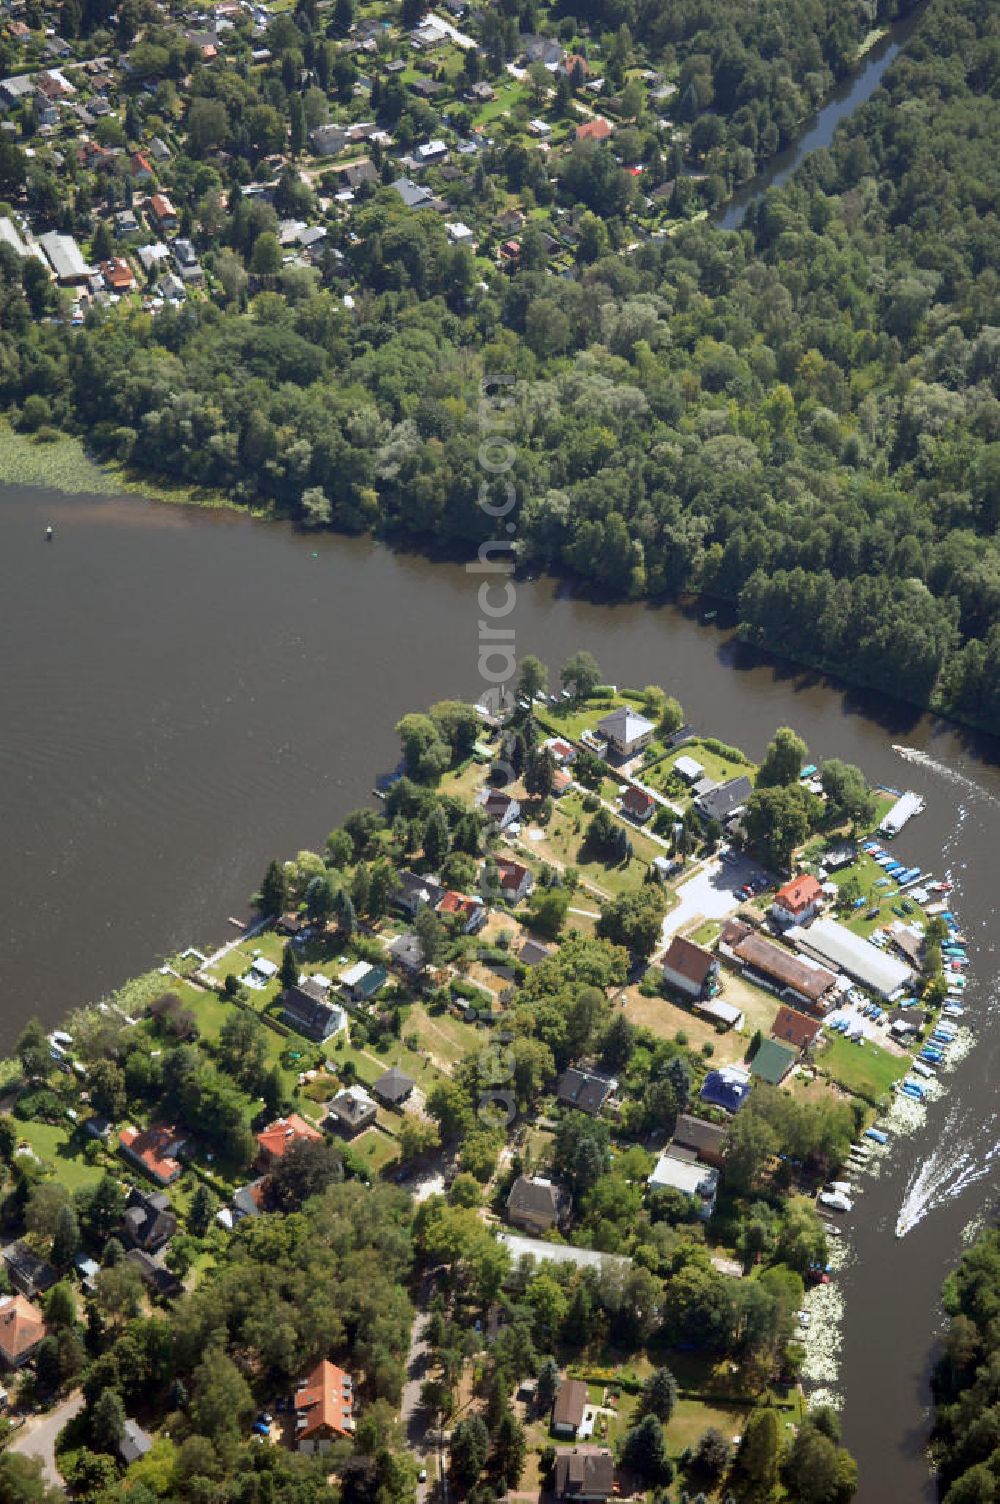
column 186, row 694
column 819, row 129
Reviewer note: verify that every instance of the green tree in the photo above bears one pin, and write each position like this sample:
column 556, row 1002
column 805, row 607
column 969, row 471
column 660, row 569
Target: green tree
column 644, row 1451
column 106, row 1083
column 581, row 674
column 633, row 919
column 66, row 1236
column 288, row 972
column 509, row 1449
column 777, row 821
column 107, row 1421
column 202, row 1210
column 221, row 1400
column 273, row 891
column 784, row 760
column 437, row 839
column 758, row 1459
column 33, row 1050
column 469, row 1449
column 533, row 678
column 659, row 1395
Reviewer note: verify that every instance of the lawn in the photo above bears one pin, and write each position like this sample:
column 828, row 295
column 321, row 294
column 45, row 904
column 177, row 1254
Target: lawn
column 666, row 1020
column 868, row 872
column 376, row 1149
column 444, row 1036
column 866, row 1070
column 54, row 1145
column 716, row 766
column 569, row 718
column 563, row 845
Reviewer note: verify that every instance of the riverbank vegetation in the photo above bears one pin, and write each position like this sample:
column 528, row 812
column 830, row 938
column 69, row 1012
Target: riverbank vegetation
column 966, row 1416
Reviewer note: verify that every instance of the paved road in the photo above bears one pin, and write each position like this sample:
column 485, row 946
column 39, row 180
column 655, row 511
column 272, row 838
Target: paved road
column 38, row 1437
column 413, row 1417
column 713, row 893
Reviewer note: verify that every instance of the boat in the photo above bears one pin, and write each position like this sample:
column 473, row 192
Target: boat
column 876, row 1135
column 49, row 533
column 922, row 1069
column 835, row 1201
column 709, row 615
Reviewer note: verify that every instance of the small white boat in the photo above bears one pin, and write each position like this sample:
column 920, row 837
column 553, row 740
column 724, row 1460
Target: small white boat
column 49, row 533
column 836, row 1202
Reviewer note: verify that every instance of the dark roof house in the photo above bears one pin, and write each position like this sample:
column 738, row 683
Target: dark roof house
column 585, row 1090
column 586, row 1474
column 28, row 1272
column 725, row 801
column 308, row 1008
column 569, row 1407
column 393, row 1087
column 536, row 1205
column 703, row 1138
column 149, row 1221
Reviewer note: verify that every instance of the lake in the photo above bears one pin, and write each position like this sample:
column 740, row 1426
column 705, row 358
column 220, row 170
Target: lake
column 187, row 694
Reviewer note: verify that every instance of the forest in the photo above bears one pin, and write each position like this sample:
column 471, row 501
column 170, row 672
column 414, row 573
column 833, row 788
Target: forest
column 966, row 1439
column 800, row 419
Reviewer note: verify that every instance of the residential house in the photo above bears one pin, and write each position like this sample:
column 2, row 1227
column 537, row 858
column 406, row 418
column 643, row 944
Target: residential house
column 362, row 981
column 159, row 150
column 688, row 769
column 797, row 901
column 543, row 50
column 459, row 233
column 163, row 212
column 328, row 140
column 351, row 1111
column 569, row 1408
column 250, row 1200
column 140, row 167
column 626, row 731
column 515, row 879
column 795, row 978
column 563, row 752
column 725, row 801
column 126, row 223
column 794, row 1028
column 772, row 1062
column 324, row 1408
column 13, row 90
column 536, row 1205
column 728, row 1088
column 118, row 275
column 585, row 1475
column 597, row 129
column 155, row 1150
column 133, row 1443
column 188, row 265
column 533, row 953
column 573, row 61
column 703, row 1139
column 157, row 1279
column 87, row 1270
column 407, row 953
column 431, row 151
column 469, row 913
column 22, row 1330
column 28, row 1272
column 308, row 1008
column 414, row 195
column 274, row 1141
column 637, row 804
column 415, row 893
column 149, row 1221
column 152, row 256
column 679, row 1173
column 353, row 174
column 394, row 1087
column 585, row 1090
column 689, row 968
column 481, row 92
column 498, row 807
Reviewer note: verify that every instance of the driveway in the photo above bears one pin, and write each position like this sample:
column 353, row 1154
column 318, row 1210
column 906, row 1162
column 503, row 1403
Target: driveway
column 38, row 1437
column 713, row 893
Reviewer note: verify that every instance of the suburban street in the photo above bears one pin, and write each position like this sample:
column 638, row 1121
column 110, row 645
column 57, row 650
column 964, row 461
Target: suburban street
column 38, row 1437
